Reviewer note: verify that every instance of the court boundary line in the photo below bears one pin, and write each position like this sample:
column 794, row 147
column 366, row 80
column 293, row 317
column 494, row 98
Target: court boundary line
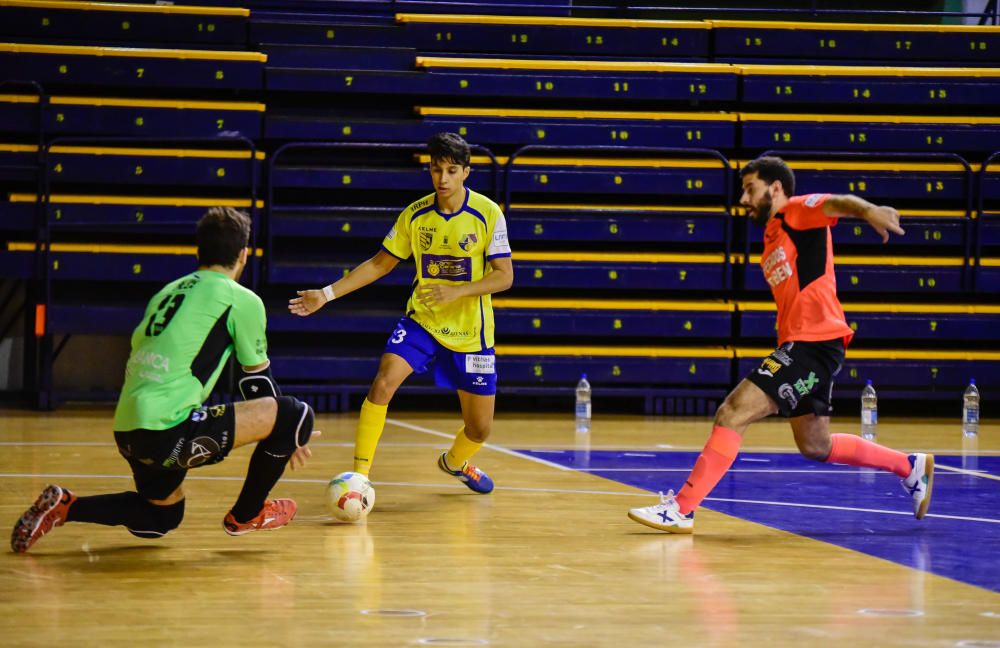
column 501, row 449
column 526, row 489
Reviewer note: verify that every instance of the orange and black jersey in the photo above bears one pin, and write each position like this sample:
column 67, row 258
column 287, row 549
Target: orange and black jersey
column 798, row 266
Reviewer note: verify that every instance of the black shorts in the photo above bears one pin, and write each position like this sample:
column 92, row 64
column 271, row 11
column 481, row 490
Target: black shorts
column 798, row 376
column 160, row 459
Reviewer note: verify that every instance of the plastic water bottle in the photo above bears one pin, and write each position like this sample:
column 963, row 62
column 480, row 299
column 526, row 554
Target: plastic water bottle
column 970, row 410
column 583, row 405
column 869, row 412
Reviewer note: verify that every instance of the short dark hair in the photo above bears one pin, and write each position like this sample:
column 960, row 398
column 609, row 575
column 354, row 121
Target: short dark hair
column 222, row 234
column 769, row 169
column 449, row 146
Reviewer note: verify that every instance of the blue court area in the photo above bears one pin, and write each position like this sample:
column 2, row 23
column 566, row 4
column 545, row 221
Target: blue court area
column 859, row 509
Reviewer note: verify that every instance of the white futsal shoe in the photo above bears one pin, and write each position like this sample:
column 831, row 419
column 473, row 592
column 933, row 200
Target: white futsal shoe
column 920, row 482
column 665, row 516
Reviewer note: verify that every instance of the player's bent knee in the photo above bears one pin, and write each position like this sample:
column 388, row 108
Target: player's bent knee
column 160, row 520
column 292, row 427
column 815, row 452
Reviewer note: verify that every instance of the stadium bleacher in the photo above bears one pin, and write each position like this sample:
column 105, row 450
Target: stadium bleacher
column 611, row 143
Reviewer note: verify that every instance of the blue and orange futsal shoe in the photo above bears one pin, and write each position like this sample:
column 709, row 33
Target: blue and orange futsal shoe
column 473, row 477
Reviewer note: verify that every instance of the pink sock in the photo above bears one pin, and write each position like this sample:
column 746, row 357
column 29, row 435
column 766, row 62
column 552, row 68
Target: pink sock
column 855, row 451
column 713, row 462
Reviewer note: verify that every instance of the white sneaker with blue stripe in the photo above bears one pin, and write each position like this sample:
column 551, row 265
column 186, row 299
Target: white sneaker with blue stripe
column 665, row 516
column 920, row 482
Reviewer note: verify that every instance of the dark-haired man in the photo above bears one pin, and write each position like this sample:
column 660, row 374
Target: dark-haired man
column 188, row 332
column 796, row 380
column 458, row 239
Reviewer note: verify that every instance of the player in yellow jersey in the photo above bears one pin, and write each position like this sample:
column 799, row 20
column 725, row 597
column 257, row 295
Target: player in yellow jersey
column 458, row 240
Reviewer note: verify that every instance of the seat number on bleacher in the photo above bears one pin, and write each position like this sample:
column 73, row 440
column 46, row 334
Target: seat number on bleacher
column 935, row 139
column 928, row 282
column 595, row 40
column 861, row 93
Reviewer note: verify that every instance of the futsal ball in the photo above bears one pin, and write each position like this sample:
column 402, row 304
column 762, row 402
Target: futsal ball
column 350, row 496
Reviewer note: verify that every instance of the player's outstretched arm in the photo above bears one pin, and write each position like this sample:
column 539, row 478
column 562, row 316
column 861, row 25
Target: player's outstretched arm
column 499, row 279
column 882, row 218
column 310, row 301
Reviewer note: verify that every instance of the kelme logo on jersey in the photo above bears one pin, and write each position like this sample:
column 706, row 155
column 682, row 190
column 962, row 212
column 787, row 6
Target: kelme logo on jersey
column 480, row 364
column 437, row 266
column 468, row 241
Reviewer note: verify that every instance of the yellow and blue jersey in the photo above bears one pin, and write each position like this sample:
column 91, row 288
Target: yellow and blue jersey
column 450, row 248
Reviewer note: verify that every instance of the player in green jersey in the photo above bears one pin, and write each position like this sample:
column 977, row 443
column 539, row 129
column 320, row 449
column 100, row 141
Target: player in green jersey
column 189, row 330
column 458, row 241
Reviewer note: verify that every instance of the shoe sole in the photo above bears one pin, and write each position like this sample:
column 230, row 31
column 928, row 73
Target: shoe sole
column 20, row 540
column 929, row 471
column 660, row 527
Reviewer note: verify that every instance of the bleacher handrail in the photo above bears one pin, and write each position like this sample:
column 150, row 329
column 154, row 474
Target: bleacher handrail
column 967, row 179
column 272, row 162
column 727, row 169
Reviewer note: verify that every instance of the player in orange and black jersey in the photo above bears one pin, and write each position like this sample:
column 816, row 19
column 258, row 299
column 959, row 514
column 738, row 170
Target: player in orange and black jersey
column 796, row 380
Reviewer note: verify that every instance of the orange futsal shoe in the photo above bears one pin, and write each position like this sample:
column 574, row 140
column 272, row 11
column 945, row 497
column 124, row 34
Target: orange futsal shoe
column 275, row 514
column 48, row 511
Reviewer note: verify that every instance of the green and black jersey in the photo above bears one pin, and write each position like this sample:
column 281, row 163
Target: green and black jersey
column 187, row 334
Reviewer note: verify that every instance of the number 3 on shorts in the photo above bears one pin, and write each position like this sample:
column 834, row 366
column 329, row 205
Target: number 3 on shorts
column 398, row 335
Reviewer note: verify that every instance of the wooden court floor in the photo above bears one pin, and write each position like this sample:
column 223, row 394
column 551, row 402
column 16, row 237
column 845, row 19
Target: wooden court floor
column 549, row 559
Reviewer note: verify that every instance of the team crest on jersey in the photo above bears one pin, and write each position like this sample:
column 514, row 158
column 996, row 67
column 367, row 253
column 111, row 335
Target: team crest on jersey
column 424, row 240
column 468, row 241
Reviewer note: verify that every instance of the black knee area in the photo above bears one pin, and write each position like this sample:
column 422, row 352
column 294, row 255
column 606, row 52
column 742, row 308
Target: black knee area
column 292, row 427
column 159, row 520
column 258, row 384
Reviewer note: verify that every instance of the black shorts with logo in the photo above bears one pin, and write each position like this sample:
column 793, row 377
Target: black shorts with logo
column 798, row 376
column 160, row 459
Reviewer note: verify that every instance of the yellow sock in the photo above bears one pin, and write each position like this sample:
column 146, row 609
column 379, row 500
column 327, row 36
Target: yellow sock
column 461, row 450
column 370, row 425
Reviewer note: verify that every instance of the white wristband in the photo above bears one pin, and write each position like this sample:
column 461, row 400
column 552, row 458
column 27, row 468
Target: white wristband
column 328, row 293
